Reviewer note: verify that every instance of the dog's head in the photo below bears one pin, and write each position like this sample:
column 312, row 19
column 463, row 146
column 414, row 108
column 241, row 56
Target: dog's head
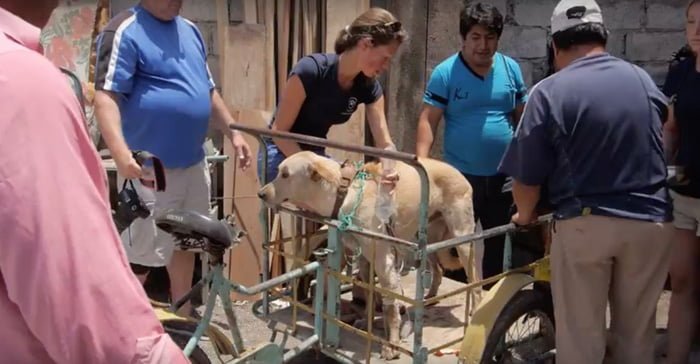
column 306, row 180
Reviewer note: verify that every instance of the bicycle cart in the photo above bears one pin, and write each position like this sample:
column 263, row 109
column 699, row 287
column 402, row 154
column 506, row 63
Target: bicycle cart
column 436, row 330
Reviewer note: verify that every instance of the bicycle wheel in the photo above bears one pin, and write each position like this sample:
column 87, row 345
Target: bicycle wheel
column 523, row 332
column 198, row 355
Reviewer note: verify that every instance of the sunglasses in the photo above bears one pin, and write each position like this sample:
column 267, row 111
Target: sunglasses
column 393, row 27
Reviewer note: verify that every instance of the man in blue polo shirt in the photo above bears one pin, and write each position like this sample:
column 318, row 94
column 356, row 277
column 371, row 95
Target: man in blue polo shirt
column 591, row 133
column 155, row 93
column 480, row 93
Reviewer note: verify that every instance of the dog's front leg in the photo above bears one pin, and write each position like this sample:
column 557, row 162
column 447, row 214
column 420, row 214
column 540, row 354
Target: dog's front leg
column 389, row 279
column 436, row 273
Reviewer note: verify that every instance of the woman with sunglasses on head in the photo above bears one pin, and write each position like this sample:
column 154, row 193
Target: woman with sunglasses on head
column 682, row 139
column 325, row 89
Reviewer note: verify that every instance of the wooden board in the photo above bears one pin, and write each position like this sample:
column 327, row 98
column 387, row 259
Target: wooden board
column 244, row 71
column 241, row 199
column 243, row 89
column 340, row 13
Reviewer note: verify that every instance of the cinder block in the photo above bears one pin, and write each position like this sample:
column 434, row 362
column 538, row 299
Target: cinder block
column 653, row 46
column 657, row 71
column 443, row 30
column 622, row 14
column 523, row 42
column 526, row 68
column 534, row 12
column 668, row 14
column 501, row 5
column 616, row 43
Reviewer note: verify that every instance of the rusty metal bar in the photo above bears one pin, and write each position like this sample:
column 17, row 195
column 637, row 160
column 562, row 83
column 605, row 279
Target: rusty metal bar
column 443, row 346
column 336, row 223
column 523, row 269
column 342, row 277
column 366, row 335
column 408, row 158
column 499, row 230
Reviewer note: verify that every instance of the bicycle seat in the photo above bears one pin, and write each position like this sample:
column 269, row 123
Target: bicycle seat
column 192, row 224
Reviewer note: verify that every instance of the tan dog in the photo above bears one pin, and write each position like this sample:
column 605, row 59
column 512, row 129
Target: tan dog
column 311, row 182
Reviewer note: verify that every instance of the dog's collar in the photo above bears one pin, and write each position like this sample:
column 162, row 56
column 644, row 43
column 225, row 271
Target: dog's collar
column 347, row 175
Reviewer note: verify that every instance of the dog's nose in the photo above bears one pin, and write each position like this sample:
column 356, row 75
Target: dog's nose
column 261, row 194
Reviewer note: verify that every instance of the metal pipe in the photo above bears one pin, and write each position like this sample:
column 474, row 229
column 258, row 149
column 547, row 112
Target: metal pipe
column 336, row 223
column 265, row 223
column 498, row 230
column 264, row 286
column 295, row 351
column 411, row 159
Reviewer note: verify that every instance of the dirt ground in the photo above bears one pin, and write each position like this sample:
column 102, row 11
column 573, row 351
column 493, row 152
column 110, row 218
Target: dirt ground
column 255, row 331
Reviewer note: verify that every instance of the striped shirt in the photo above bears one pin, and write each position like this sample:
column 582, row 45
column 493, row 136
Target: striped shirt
column 159, row 69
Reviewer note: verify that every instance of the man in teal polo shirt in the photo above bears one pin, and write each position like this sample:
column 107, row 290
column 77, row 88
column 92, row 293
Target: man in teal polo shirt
column 481, row 94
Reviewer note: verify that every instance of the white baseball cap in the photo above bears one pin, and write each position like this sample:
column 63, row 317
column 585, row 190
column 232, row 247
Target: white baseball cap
column 570, row 13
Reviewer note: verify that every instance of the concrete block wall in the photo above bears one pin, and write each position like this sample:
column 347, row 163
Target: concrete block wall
column 645, row 32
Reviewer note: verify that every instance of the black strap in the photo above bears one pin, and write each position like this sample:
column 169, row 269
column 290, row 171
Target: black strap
column 142, row 156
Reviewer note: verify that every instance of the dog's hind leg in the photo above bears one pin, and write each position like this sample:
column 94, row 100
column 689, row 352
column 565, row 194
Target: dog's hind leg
column 459, row 217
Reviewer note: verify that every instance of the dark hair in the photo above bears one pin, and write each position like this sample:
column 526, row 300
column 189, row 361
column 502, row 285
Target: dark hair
column 376, row 23
column 586, row 33
column 482, row 14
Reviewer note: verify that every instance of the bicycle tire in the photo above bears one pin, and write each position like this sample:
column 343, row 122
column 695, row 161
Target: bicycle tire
column 525, row 302
column 198, row 356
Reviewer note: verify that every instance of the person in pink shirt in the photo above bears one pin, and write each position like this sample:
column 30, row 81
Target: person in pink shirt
column 67, row 294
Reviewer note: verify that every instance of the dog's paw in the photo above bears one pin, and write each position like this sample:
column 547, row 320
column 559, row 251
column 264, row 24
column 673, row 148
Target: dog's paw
column 389, row 353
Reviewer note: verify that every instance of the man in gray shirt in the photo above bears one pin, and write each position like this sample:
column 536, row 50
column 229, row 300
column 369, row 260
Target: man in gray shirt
column 591, row 134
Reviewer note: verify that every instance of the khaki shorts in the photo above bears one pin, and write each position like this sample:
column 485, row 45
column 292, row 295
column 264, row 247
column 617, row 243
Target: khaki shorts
column 186, row 188
column 686, row 212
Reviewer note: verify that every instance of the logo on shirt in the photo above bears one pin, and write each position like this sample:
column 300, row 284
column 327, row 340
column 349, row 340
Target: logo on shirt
column 352, row 105
column 460, row 95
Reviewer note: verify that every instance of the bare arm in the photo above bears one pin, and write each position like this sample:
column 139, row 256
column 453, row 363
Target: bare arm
column 670, row 135
column 110, row 124
column 292, row 98
column 526, row 199
column 376, row 118
column 428, row 122
column 221, row 118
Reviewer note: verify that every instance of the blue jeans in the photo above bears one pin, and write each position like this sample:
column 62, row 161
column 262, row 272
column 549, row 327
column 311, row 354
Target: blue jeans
column 274, row 158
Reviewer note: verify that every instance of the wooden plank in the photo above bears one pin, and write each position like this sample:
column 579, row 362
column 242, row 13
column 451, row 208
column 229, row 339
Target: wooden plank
column 244, row 94
column 283, row 9
column 250, row 11
column 268, row 14
column 240, row 187
column 243, row 79
column 340, row 13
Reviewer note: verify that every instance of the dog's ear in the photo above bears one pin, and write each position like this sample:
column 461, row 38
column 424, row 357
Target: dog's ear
column 318, row 170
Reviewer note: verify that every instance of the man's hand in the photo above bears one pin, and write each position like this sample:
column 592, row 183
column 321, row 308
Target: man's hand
column 523, row 220
column 242, row 149
column 127, row 167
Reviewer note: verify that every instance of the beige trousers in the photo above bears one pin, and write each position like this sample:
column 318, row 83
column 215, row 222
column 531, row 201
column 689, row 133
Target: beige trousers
column 596, row 260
